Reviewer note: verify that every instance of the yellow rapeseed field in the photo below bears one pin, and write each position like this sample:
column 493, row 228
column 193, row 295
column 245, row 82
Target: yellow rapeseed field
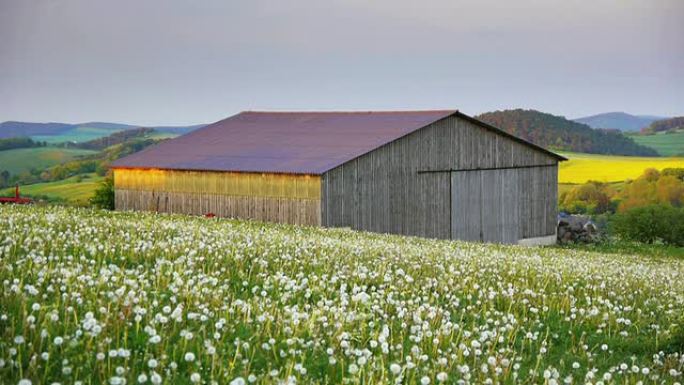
column 581, row 168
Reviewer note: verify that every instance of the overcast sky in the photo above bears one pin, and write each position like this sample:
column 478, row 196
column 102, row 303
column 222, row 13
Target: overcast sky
column 182, row 61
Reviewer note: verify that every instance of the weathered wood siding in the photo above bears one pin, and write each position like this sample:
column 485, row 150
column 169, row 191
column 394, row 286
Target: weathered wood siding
column 503, row 205
column 280, row 198
column 405, row 187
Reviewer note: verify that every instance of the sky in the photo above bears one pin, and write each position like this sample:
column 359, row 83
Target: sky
column 154, row 62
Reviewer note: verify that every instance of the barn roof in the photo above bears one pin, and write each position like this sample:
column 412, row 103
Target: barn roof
column 286, row 142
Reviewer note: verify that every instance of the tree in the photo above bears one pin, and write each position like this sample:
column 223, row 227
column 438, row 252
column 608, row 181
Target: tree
column 104, row 195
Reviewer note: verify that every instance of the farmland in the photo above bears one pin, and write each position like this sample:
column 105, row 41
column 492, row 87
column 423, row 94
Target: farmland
column 581, row 168
column 74, row 190
column 77, row 134
column 98, row 297
column 24, row 159
column 82, row 134
column 667, row 144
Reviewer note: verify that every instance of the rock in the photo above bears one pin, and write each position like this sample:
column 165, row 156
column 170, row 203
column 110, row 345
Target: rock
column 576, row 228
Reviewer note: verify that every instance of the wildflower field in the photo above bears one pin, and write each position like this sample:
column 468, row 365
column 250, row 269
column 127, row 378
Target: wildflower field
column 93, row 297
column 581, row 168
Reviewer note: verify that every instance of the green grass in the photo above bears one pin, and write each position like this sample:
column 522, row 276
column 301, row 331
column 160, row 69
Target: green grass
column 24, row 159
column 581, row 168
column 70, row 190
column 111, row 298
column 666, row 144
column 628, row 248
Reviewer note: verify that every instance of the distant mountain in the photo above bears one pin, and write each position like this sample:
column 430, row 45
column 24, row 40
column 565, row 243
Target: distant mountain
column 559, row 133
column 23, row 129
column 16, row 129
column 672, row 124
column 619, row 120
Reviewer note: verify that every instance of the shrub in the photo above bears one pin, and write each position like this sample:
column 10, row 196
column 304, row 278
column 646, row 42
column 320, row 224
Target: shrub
column 649, row 224
column 104, row 195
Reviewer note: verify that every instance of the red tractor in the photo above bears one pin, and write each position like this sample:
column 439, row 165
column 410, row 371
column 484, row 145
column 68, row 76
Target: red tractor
column 16, row 199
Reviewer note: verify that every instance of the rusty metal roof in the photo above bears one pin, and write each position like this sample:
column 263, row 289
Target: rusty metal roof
column 283, row 142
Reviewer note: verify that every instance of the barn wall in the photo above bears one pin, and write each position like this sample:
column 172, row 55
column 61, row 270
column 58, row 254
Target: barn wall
column 504, row 205
column 404, row 186
column 281, row 198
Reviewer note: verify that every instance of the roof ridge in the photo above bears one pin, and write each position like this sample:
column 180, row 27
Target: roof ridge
column 351, row 111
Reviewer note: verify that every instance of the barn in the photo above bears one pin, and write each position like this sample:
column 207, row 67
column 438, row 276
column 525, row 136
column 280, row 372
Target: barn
column 438, row 174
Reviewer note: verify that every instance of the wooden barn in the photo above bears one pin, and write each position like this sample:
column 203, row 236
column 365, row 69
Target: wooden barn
column 438, row 174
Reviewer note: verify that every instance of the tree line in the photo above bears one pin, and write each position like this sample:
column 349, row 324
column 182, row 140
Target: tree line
column 561, row 134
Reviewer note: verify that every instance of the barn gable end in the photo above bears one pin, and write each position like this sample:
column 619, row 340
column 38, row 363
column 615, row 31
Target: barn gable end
column 407, row 186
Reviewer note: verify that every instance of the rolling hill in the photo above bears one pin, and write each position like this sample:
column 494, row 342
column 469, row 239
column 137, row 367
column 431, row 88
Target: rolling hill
column 672, row 124
column 558, row 133
column 21, row 160
column 77, row 133
column 12, row 129
column 618, row 120
column 668, row 143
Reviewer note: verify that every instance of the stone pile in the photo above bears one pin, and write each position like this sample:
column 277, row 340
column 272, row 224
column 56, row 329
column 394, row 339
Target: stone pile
column 576, row 228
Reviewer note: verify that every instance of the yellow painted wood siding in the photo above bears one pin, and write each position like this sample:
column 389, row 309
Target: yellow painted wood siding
column 280, row 198
column 222, row 183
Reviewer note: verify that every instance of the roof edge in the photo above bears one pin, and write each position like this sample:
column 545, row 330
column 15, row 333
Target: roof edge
column 113, row 167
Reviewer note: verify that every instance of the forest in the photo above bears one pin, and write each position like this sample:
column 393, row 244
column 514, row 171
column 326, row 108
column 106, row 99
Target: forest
column 560, row 134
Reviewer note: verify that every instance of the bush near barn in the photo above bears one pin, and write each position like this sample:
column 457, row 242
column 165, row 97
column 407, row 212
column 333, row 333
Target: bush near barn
column 97, row 297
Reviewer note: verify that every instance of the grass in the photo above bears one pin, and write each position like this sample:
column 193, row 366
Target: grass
column 75, row 190
column 21, row 160
column 658, row 251
column 124, row 298
column 581, row 168
column 666, row 144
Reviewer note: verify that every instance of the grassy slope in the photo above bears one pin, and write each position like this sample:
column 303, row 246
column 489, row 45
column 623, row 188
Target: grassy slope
column 605, row 168
column 68, row 190
column 24, row 159
column 665, row 144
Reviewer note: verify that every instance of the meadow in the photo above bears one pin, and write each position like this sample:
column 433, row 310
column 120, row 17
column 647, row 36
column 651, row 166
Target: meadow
column 667, row 144
column 94, row 297
column 21, row 160
column 76, row 190
column 581, row 168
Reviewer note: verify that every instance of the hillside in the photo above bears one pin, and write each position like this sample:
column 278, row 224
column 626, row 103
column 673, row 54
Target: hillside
column 618, row 120
column 80, row 132
column 558, row 133
column 184, row 300
column 24, row 129
column 667, row 143
column 672, row 124
column 21, row 160
column 121, row 137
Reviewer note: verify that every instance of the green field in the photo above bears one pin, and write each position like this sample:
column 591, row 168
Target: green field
column 666, row 144
column 581, row 168
column 125, row 298
column 70, row 190
column 24, row 159
column 84, row 134
column 77, row 135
